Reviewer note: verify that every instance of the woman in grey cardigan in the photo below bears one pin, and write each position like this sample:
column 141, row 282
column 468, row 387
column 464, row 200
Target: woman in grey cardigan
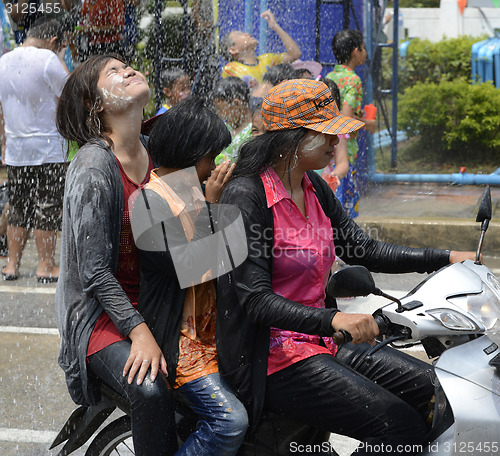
column 103, row 337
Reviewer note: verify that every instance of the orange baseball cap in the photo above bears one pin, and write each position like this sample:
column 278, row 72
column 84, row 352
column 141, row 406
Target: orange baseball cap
column 305, row 103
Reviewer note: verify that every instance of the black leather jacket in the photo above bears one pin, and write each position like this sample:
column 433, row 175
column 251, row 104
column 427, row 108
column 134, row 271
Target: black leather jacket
column 247, row 307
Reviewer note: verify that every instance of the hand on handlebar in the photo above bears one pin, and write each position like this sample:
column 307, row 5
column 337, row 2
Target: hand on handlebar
column 144, row 354
column 457, row 256
column 361, row 327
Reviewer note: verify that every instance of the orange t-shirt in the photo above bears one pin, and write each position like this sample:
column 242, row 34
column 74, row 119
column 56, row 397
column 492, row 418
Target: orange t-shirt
column 197, row 351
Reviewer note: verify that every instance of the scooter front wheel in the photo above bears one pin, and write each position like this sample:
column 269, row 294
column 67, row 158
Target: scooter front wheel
column 114, row 439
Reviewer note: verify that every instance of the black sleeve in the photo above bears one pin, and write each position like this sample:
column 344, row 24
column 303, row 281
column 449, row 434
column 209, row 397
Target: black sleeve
column 354, row 246
column 252, row 280
column 91, row 193
column 157, row 231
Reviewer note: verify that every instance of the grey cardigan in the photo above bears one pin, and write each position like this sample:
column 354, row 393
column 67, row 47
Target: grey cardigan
column 92, row 216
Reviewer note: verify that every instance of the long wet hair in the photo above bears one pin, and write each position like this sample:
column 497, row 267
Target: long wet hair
column 78, row 118
column 267, row 150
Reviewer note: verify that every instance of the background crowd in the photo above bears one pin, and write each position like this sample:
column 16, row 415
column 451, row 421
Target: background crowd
column 259, row 338
column 88, row 28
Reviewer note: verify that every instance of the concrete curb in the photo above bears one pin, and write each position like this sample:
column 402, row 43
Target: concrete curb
column 441, row 233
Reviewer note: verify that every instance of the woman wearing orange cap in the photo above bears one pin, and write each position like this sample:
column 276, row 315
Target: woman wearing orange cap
column 275, row 321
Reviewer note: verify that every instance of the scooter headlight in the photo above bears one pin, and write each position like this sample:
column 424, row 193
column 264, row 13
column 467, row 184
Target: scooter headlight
column 493, row 326
column 453, row 320
column 494, row 283
column 485, row 306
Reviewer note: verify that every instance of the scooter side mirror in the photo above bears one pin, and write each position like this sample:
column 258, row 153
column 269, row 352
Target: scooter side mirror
column 483, row 216
column 351, row 281
column 485, row 212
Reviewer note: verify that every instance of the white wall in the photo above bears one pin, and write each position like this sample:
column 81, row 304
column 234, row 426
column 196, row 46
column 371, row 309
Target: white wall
column 435, row 23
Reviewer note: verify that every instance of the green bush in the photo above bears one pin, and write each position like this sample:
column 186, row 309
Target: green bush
column 447, row 59
column 454, row 118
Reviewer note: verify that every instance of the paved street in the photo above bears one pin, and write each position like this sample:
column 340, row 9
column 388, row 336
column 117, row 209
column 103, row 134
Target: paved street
column 33, row 396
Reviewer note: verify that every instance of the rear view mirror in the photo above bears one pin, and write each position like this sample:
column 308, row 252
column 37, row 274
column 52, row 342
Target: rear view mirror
column 484, row 217
column 351, row 281
column 484, row 211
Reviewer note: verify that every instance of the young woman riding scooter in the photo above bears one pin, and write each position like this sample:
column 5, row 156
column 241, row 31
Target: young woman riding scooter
column 275, row 322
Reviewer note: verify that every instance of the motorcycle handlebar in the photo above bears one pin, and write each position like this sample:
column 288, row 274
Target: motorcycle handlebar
column 341, row 336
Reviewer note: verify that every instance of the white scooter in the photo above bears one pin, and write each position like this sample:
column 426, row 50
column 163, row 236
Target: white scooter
column 455, row 315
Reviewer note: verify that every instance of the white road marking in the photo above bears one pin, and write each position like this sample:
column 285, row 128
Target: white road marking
column 27, row 290
column 26, row 436
column 26, row 330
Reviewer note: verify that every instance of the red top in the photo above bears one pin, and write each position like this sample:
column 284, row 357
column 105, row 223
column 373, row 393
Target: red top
column 303, row 253
column 103, row 13
column 105, row 332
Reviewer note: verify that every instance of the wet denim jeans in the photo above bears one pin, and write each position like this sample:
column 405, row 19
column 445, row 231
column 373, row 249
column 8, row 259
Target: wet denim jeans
column 223, row 420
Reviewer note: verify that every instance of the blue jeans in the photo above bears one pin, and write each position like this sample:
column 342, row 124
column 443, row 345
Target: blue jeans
column 223, row 419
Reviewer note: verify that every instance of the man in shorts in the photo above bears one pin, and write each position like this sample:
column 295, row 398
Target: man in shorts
column 31, row 80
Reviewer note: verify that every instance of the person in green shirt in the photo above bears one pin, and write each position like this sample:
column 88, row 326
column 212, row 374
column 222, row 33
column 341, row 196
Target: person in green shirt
column 350, row 52
column 231, row 99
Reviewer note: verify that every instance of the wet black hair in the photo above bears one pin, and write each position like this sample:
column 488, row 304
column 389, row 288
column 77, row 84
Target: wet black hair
column 169, row 76
column 230, row 89
column 187, row 133
column 77, row 117
column 303, row 73
column 266, row 150
column 344, row 42
column 279, row 73
column 49, row 26
column 334, row 88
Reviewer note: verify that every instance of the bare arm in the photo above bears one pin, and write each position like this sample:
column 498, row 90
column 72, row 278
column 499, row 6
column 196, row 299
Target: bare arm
column 347, row 110
column 145, row 353
column 370, row 124
column 341, row 159
column 203, row 17
column 293, row 51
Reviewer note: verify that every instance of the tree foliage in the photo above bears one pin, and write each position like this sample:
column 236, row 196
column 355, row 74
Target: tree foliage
column 444, row 60
column 453, row 117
